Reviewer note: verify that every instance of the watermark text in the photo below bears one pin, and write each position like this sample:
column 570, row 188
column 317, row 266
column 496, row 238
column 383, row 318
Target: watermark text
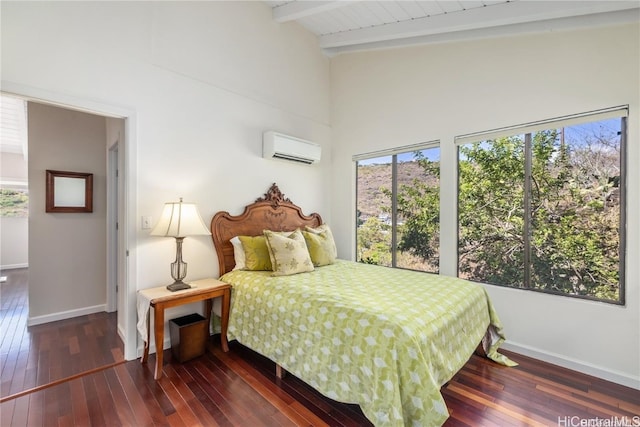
column 576, row 421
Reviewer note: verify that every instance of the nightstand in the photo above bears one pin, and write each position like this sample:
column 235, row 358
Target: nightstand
column 160, row 299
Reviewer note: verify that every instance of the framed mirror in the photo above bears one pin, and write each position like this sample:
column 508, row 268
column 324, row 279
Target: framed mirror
column 69, row 191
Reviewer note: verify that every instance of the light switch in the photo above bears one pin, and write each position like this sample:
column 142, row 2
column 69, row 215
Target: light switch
column 146, row 222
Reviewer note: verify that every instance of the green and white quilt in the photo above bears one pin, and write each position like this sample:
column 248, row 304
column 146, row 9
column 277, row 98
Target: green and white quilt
column 386, row 339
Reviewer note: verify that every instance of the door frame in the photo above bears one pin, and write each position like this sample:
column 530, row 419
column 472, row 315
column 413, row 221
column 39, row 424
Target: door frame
column 127, row 316
column 113, row 203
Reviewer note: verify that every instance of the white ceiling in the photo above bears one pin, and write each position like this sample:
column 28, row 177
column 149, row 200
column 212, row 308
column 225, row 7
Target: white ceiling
column 343, row 26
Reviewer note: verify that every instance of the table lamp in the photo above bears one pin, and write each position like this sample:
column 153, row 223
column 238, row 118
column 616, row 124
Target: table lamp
column 179, row 220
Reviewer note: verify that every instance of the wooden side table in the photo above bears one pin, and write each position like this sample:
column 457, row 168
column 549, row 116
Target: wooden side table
column 160, row 299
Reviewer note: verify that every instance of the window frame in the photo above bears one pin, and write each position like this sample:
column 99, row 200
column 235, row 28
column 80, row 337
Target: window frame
column 620, row 112
column 393, row 152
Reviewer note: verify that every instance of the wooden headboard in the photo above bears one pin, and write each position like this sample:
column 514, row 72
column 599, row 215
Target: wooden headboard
column 271, row 212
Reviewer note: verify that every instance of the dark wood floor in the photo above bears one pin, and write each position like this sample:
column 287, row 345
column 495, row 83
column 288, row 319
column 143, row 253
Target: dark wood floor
column 34, row 356
column 239, row 388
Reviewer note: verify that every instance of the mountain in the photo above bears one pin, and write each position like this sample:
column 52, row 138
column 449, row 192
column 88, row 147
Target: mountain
column 373, row 177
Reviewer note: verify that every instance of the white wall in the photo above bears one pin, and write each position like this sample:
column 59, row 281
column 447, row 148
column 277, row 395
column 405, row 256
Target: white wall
column 67, row 251
column 404, row 96
column 204, row 80
column 14, row 238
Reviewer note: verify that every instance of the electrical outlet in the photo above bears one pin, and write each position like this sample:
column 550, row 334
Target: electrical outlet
column 146, row 222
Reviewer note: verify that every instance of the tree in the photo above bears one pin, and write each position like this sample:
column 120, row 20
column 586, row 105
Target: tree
column 374, row 242
column 490, row 211
column 573, row 213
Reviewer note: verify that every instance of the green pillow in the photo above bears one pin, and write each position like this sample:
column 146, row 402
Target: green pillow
column 289, row 254
column 322, row 247
column 256, row 253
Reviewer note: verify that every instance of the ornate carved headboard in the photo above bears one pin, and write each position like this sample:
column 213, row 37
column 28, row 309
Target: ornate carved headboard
column 271, row 212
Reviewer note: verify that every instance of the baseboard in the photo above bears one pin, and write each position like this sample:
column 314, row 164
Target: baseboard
column 13, row 266
column 62, row 315
column 121, row 333
column 152, row 347
column 576, row 365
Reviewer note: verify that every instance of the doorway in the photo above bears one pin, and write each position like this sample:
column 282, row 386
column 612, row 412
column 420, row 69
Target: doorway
column 14, row 189
column 120, row 160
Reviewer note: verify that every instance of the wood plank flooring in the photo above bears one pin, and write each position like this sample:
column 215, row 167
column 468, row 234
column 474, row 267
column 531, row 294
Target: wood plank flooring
column 239, row 388
column 35, row 356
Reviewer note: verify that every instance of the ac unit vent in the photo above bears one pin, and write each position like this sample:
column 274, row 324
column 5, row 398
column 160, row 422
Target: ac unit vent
column 284, row 147
column 293, row 158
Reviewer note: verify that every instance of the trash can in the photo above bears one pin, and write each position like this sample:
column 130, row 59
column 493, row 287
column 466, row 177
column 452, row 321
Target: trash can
column 188, row 337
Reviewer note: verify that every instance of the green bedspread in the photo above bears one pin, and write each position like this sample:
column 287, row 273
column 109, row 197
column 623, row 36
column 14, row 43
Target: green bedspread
column 386, row 339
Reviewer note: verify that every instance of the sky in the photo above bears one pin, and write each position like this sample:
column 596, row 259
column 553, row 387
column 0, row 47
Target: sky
column 432, row 154
column 574, row 134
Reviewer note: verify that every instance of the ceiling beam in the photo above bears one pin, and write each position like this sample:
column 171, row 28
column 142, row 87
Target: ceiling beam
column 516, row 12
column 300, row 9
column 560, row 24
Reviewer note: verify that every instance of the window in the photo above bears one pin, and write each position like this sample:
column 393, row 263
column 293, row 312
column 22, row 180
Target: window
column 14, row 202
column 398, row 208
column 543, row 208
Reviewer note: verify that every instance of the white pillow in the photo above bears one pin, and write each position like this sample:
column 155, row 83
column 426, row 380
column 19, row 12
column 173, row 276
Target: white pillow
column 238, row 254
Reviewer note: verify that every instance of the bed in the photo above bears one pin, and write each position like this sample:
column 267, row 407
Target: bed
column 385, row 339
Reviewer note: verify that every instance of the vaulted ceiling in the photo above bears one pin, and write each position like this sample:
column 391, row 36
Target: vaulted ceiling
column 343, row 26
column 346, row 25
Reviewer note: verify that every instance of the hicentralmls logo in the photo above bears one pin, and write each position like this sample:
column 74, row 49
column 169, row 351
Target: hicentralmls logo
column 575, row 421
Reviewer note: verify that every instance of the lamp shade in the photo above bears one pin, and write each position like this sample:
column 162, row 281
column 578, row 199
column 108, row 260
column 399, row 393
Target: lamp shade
column 180, row 219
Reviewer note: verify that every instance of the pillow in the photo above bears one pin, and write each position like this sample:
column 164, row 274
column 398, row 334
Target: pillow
column 256, row 253
column 238, row 254
column 322, row 247
column 288, row 251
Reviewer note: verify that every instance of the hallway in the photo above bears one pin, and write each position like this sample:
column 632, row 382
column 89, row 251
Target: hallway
column 47, row 354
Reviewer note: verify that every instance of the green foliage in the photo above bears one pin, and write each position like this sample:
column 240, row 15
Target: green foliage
column 418, row 207
column 418, row 204
column 491, row 211
column 13, row 203
column 374, row 242
column 574, row 235
column 574, row 213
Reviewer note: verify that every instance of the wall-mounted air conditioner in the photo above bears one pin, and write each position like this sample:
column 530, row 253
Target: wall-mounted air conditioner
column 280, row 146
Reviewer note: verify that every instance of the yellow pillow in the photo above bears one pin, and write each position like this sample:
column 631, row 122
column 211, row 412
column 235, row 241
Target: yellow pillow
column 289, row 254
column 256, row 253
column 322, row 247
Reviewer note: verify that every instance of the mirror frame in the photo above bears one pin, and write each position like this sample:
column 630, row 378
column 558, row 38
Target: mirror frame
column 51, row 191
